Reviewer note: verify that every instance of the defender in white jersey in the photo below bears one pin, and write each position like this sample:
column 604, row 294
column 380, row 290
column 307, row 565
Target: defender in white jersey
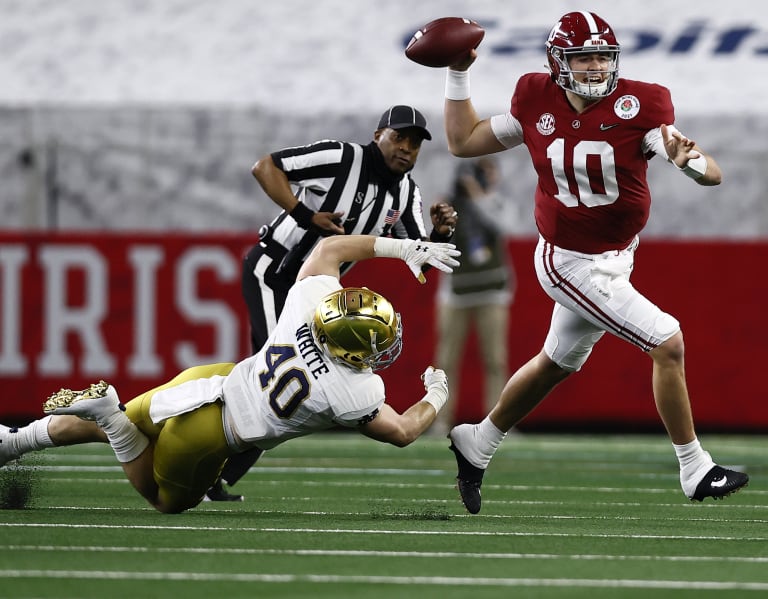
column 590, row 135
column 331, row 187
column 292, row 387
column 316, row 371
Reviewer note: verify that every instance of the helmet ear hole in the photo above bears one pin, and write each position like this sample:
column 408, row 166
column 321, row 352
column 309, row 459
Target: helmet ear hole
column 358, row 327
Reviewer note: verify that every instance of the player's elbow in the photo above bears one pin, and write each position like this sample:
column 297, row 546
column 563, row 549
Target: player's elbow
column 401, row 441
column 403, row 437
column 459, row 148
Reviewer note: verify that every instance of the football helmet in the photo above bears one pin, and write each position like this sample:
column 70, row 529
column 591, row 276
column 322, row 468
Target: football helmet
column 577, row 33
column 359, row 328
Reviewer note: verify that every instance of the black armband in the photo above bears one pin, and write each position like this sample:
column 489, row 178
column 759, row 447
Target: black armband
column 302, row 215
column 440, row 238
column 368, row 418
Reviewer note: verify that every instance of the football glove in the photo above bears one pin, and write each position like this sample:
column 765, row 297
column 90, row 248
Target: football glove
column 416, row 254
column 436, row 386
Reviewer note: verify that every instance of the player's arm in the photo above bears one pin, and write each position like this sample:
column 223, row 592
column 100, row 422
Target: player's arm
column 331, row 252
column 403, row 429
column 690, row 158
column 467, row 134
column 275, row 184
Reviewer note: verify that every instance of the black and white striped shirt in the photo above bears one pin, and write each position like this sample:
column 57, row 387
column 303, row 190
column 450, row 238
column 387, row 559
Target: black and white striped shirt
column 337, row 176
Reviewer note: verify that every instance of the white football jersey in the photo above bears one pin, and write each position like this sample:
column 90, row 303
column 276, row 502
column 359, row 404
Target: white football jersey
column 291, row 387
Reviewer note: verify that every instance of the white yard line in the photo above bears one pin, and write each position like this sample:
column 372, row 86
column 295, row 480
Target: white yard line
column 397, row 554
column 372, row 531
column 398, row 580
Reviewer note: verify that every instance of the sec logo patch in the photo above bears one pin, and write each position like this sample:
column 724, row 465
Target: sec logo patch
column 546, row 124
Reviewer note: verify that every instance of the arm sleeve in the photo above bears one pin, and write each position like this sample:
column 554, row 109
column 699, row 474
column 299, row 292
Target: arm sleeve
column 359, row 402
column 507, row 129
column 314, row 166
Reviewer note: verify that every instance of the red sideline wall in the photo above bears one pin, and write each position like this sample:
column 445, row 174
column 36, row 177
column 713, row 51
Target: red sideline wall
column 135, row 309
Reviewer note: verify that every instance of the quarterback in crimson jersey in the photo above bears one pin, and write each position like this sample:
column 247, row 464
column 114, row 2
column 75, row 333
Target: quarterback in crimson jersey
column 592, row 194
column 590, row 135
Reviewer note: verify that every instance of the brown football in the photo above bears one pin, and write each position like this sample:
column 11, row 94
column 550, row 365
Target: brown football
column 444, row 41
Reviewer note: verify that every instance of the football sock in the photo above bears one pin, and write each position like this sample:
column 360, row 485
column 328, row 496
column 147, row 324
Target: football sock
column 32, row 437
column 694, row 464
column 478, row 442
column 126, row 440
column 491, row 438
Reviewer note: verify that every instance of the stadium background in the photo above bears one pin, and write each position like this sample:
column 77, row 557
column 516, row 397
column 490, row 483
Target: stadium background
column 127, row 133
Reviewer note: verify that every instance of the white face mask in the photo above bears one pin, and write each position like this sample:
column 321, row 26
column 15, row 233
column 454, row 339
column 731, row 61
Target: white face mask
column 568, row 81
column 590, row 90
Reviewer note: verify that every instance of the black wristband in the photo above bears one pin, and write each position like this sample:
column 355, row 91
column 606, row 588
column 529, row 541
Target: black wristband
column 302, row 215
column 439, row 237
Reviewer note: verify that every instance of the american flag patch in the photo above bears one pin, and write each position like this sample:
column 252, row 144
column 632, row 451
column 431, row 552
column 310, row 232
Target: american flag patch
column 392, row 217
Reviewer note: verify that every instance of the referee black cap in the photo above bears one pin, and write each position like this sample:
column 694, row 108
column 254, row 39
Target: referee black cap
column 402, row 117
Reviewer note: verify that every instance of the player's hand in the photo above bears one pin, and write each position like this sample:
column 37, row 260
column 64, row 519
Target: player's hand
column 417, row 253
column 679, row 148
column 444, row 218
column 436, row 386
column 434, row 376
column 465, row 62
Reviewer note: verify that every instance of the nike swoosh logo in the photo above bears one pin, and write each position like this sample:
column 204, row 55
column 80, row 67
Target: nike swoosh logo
column 606, row 127
column 719, row 483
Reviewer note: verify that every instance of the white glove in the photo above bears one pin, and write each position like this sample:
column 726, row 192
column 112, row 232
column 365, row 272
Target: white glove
column 436, row 385
column 417, row 253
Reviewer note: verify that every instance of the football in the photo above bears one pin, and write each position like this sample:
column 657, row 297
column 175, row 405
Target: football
column 444, row 41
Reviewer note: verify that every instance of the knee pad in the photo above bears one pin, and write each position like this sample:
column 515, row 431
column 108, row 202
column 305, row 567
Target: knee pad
column 571, row 356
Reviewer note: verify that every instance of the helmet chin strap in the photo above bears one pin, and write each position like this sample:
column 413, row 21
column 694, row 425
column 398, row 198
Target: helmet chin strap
column 589, row 90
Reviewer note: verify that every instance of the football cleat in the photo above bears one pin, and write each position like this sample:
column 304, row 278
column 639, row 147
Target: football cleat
column 218, row 493
column 99, row 400
column 7, row 450
column 468, row 482
column 719, row 482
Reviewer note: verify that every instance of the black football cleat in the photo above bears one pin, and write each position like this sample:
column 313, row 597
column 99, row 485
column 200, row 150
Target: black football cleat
column 468, row 482
column 218, row 493
column 719, row 482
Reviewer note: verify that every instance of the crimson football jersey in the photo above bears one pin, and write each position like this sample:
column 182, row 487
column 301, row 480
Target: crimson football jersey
column 592, row 194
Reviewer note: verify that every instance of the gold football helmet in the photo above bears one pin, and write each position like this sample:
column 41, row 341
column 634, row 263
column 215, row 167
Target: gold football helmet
column 359, row 327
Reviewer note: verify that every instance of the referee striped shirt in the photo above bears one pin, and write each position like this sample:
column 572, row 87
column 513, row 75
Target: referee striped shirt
column 336, row 176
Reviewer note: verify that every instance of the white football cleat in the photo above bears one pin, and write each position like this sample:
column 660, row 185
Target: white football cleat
column 98, row 401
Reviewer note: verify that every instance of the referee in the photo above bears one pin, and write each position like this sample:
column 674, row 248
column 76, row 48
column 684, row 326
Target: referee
column 331, row 188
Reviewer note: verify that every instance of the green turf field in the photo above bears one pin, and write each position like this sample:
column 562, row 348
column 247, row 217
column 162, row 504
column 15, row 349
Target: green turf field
column 339, row 515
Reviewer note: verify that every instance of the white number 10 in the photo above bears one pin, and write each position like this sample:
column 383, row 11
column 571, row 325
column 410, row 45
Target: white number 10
column 587, row 197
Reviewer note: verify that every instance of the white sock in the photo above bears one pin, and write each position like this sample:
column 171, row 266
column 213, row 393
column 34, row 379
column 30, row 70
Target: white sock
column 127, row 441
column 491, row 435
column 32, row 437
column 694, row 464
column 478, row 442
